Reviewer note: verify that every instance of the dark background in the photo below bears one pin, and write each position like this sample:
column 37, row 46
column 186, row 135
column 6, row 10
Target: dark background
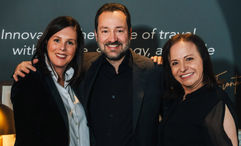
column 216, row 21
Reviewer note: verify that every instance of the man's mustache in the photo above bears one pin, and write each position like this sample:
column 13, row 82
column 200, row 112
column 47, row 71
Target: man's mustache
column 114, row 43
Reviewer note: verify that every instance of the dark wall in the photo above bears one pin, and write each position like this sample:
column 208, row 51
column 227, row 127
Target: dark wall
column 154, row 21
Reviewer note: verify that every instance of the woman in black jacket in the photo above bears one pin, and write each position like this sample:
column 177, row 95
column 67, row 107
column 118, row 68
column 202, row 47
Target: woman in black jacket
column 47, row 111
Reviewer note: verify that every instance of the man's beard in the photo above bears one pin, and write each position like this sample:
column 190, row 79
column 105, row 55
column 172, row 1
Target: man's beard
column 122, row 53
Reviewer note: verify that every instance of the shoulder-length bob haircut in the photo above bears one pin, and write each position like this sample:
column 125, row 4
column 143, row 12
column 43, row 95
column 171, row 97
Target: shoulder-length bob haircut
column 208, row 75
column 53, row 27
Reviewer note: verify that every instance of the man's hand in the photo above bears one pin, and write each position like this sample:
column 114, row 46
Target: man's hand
column 24, row 68
column 157, row 59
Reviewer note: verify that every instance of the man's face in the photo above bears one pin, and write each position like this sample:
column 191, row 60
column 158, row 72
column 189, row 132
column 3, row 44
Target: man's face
column 112, row 34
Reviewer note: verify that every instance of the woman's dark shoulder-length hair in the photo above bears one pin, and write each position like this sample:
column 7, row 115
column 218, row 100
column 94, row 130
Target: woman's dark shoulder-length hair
column 208, row 75
column 53, row 27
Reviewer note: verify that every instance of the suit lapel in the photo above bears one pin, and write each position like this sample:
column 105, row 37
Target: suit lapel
column 138, row 84
column 90, row 78
column 138, row 89
column 55, row 94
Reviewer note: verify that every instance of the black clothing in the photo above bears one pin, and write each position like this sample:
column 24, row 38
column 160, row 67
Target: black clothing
column 197, row 120
column 111, row 105
column 147, row 88
column 37, row 104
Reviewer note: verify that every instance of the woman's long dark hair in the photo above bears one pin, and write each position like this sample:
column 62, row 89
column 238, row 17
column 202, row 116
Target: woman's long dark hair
column 53, row 27
column 174, row 88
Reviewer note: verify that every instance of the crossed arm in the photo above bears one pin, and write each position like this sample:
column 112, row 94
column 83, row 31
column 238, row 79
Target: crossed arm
column 24, row 67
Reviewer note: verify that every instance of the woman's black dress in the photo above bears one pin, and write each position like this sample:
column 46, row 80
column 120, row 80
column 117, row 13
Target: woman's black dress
column 197, row 120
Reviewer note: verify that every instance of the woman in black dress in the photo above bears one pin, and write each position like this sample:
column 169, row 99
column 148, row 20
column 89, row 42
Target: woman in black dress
column 199, row 112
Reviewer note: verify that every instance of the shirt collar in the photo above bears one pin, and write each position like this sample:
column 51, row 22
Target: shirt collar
column 68, row 74
column 199, row 91
column 125, row 64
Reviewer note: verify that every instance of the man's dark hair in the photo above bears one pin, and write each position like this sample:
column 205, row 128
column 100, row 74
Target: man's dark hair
column 111, row 7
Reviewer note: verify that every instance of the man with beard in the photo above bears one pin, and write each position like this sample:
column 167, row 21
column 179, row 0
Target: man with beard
column 121, row 91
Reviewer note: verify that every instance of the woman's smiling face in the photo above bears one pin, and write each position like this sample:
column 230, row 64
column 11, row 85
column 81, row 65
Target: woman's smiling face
column 186, row 65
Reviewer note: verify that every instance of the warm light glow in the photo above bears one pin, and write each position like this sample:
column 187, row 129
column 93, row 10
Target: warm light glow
column 7, row 140
column 6, row 120
column 3, row 123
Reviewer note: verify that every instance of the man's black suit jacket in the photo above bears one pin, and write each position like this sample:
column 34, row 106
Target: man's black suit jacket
column 147, row 92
